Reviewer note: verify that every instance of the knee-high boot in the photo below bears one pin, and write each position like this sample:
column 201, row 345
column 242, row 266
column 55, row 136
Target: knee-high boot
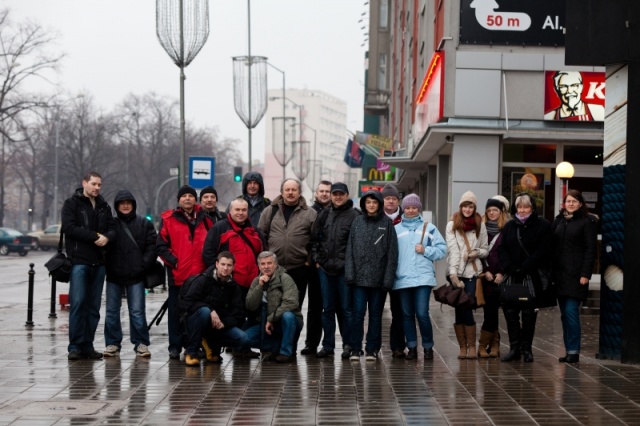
column 494, row 352
column 470, row 332
column 529, row 317
column 462, row 340
column 512, row 316
column 483, row 343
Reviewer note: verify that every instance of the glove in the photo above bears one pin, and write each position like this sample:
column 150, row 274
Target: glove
column 456, row 282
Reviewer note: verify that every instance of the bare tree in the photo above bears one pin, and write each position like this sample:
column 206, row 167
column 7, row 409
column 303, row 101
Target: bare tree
column 25, row 54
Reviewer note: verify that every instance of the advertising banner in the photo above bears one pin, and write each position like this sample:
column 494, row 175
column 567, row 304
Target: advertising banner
column 516, row 22
column 574, row 96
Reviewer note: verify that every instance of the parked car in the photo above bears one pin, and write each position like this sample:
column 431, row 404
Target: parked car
column 12, row 241
column 47, row 238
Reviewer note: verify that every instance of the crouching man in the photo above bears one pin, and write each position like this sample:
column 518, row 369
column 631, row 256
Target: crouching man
column 274, row 297
column 214, row 311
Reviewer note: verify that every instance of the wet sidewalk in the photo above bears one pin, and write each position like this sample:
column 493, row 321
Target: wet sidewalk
column 39, row 386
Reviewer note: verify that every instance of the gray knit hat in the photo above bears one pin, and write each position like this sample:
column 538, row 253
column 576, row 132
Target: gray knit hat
column 390, row 191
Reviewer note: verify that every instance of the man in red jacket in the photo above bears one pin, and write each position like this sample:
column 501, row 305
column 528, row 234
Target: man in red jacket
column 180, row 241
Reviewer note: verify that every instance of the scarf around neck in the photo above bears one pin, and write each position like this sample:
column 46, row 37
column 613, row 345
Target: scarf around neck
column 492, row 227
column 523, row 219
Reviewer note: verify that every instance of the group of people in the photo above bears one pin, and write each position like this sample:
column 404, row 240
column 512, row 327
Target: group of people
column 238, row 279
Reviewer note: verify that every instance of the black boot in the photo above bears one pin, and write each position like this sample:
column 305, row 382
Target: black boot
column 570, row 358
column 412, row 354
column 529, row 317
column 527, row 355
column 512, row 316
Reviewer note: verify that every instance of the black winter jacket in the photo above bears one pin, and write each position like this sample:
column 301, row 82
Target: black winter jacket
column 574, row 253
column 224, row 297
column 127, row 261
column 535, row 235
column 255, row 210
column 330, row 236
column 372, row 250
column 81, row 223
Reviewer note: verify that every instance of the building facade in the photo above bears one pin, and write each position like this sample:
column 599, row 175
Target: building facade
column 309, row 143
column 474, row 101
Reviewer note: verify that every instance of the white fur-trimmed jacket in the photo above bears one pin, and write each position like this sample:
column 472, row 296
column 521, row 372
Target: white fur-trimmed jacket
column 456, row 249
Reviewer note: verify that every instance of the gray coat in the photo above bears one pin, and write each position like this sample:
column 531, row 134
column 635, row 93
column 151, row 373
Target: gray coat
column 372, row 250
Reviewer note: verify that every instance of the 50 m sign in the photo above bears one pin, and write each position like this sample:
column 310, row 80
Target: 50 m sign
column 522, row 22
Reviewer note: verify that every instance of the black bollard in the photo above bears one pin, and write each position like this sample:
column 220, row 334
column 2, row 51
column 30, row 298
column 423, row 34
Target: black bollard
column 52, row 311
column 30, row 301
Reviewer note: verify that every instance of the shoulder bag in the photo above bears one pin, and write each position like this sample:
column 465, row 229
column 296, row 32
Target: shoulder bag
column 479, row 292
column 547, row 296
column 453, row 296
column 155, row 275
column 59, row 266
column 517, row 293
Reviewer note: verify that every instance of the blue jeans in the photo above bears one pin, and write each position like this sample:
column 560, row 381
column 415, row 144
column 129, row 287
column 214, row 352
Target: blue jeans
column 173, row 322
column 283, row 338
column 415, row 304
column 85, row 298
column 374, row 297
column 199, row 327
column 465, row 316
column 571, row 329
column 335, row 291
column 138, row 330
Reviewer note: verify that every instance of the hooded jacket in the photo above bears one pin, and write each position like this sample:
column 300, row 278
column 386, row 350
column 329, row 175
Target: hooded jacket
column 290, row 241
column 282, row 296
column 372, row 250
column 127, row 260
column 574, row 253
column 330, row 236
column 255, row 210
column 415, row 269
column 81, row 223
column 180, row 243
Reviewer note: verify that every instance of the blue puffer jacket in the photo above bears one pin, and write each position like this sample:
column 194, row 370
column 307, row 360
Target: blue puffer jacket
column 415, row 269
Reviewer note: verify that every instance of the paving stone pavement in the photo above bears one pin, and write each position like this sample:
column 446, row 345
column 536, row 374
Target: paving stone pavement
column 39, row 386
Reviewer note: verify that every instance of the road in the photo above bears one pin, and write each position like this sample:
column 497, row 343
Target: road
column 14, row 274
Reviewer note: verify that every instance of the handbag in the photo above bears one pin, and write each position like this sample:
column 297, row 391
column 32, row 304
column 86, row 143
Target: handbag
column 479, row 292
column 155, row 275
column 517, row 293
column 453, row 296
column 59, row 266
column 547, row 297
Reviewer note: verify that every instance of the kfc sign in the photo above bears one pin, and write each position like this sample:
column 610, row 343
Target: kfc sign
column 574, row 96
column 520, row 22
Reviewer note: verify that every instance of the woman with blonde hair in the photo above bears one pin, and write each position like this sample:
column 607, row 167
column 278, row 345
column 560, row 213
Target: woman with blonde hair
column 466, row 244
column 495, row 217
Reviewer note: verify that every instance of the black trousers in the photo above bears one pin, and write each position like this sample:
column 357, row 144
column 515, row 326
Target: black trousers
column 520, row 336
column 396, row 331
column 305, row 278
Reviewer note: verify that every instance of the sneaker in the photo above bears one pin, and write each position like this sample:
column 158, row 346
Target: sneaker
column 143, row 351
column 428, row 354
column 398, row 354
column 111, row 350
column 191, row 360
column 75, row 356
column 308, row 351
column 283, row 359
column 325, row 353
column 372, row 356
column 174, row 354
column 346, row 352
column 92, row 355
column 355, row 355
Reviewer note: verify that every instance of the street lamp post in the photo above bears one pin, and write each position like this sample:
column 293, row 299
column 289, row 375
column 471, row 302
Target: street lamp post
column 564, row 171
column 284, row 138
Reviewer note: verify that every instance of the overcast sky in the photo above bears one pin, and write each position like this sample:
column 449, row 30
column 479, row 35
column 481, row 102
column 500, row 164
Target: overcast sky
column 112, row 50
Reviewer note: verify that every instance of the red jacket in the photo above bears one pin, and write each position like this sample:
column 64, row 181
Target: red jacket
column 180, row 244
column 226, row 236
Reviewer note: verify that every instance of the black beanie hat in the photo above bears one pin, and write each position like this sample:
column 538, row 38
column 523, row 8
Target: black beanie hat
column 493, row 202
column 186, row 189
column 208, row 190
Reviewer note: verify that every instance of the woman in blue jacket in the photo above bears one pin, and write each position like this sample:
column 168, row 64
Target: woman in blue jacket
column 419, row 245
